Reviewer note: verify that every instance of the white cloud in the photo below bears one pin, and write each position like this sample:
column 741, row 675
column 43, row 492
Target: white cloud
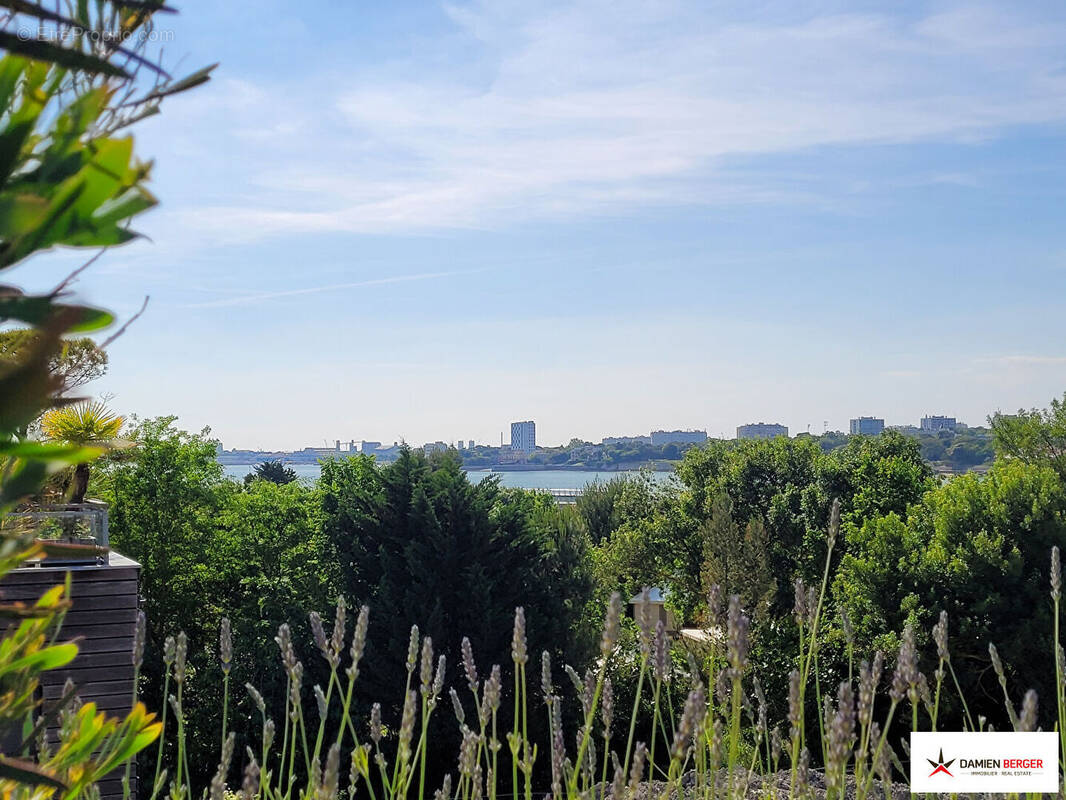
column 551, row 111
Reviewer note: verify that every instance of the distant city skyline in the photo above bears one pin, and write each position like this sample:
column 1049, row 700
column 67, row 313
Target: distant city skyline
column 509, row 435
column 429, row 219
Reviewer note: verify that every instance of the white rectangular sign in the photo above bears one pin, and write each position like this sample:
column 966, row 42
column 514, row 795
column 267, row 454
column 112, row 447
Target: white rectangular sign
column 943, row 763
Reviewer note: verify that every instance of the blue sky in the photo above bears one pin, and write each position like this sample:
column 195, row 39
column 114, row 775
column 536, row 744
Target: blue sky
column 423, row 221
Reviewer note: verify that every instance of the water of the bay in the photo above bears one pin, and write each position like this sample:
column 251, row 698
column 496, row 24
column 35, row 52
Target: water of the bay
column 527, row 479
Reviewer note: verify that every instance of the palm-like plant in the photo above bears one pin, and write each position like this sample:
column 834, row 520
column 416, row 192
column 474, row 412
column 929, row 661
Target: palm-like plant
column 87, row 424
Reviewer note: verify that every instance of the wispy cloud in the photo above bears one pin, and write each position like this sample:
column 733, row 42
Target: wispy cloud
column 259, row 297
column 558, row 110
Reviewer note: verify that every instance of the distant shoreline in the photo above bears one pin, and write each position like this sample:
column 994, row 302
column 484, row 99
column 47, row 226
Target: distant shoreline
column 654, row 466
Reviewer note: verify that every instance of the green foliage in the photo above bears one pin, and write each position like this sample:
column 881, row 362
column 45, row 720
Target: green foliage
column 697, row 722
column 74, row 189
column 413, row 534
column 788, row 485
column 62, row 182
column 1035, row 436
column 586, row 455
column 977, row 548
column 641, row 550
column 949, row 451
column 272, row 471
column 735, row 558
column 77, row 362
column 418, row 534
column 83, row 424
column 209, row 548
column 598, row 507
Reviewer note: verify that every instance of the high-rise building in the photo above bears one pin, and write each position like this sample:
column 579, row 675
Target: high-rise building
column 659, row 438
column 471, row 444
column 761, row 430
column 524, row 436
column 931, row 424
column 867, row 426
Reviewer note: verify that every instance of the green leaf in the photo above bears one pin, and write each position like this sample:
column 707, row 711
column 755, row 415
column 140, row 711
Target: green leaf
column 26, row 773
column 54, row 657
column 67, row 453
column 64, row 57
column 24, row 480
column 37, row 310
column 21, row 213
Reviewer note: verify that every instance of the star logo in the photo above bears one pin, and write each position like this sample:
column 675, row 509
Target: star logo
column 940, row 765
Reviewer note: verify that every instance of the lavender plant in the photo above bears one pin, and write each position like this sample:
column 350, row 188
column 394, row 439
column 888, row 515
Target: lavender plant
column 719, row 745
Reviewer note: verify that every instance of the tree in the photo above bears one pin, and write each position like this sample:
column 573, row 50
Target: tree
column 598, row 507
column 778, row 481
column 976, row 547
column 1035, row 436
column 735, row 558
column 789, row 485
column 209, row 548
column 272, row 471
column 165, row 500
column 417, row 541
column 77, row 361
column 89, row 424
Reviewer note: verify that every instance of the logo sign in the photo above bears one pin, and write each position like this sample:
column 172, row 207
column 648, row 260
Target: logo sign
column 949, row 763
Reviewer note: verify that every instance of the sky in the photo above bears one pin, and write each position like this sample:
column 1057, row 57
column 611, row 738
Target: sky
column 422, row 221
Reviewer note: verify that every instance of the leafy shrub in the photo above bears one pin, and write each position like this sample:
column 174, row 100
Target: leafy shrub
column 710, row 728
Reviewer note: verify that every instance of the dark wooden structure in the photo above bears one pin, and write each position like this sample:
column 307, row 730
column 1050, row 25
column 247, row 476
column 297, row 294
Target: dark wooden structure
column 105, row 601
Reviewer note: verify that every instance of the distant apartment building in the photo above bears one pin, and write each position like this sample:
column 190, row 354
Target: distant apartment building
column 933, row 424
column 321, row 452
column 626, row 440
column 471, row 444
column 524, row 437
column 368, row 447
column 659, row 438
column 761, row 430
column 867, row 426
column 434, row 447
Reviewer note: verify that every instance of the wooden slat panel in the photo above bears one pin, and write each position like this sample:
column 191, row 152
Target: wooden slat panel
column 103, row 613
column 97, row 631
column 106, row 602
column 113, row 644
column 51, row 577
column 114, row 704
column 98, row 660
column 91, row 689
column 30, row 592
column 107, row 616
column 80, row 677
column 111, row 787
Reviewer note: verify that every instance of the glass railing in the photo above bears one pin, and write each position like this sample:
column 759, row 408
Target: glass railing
column 71, row 533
